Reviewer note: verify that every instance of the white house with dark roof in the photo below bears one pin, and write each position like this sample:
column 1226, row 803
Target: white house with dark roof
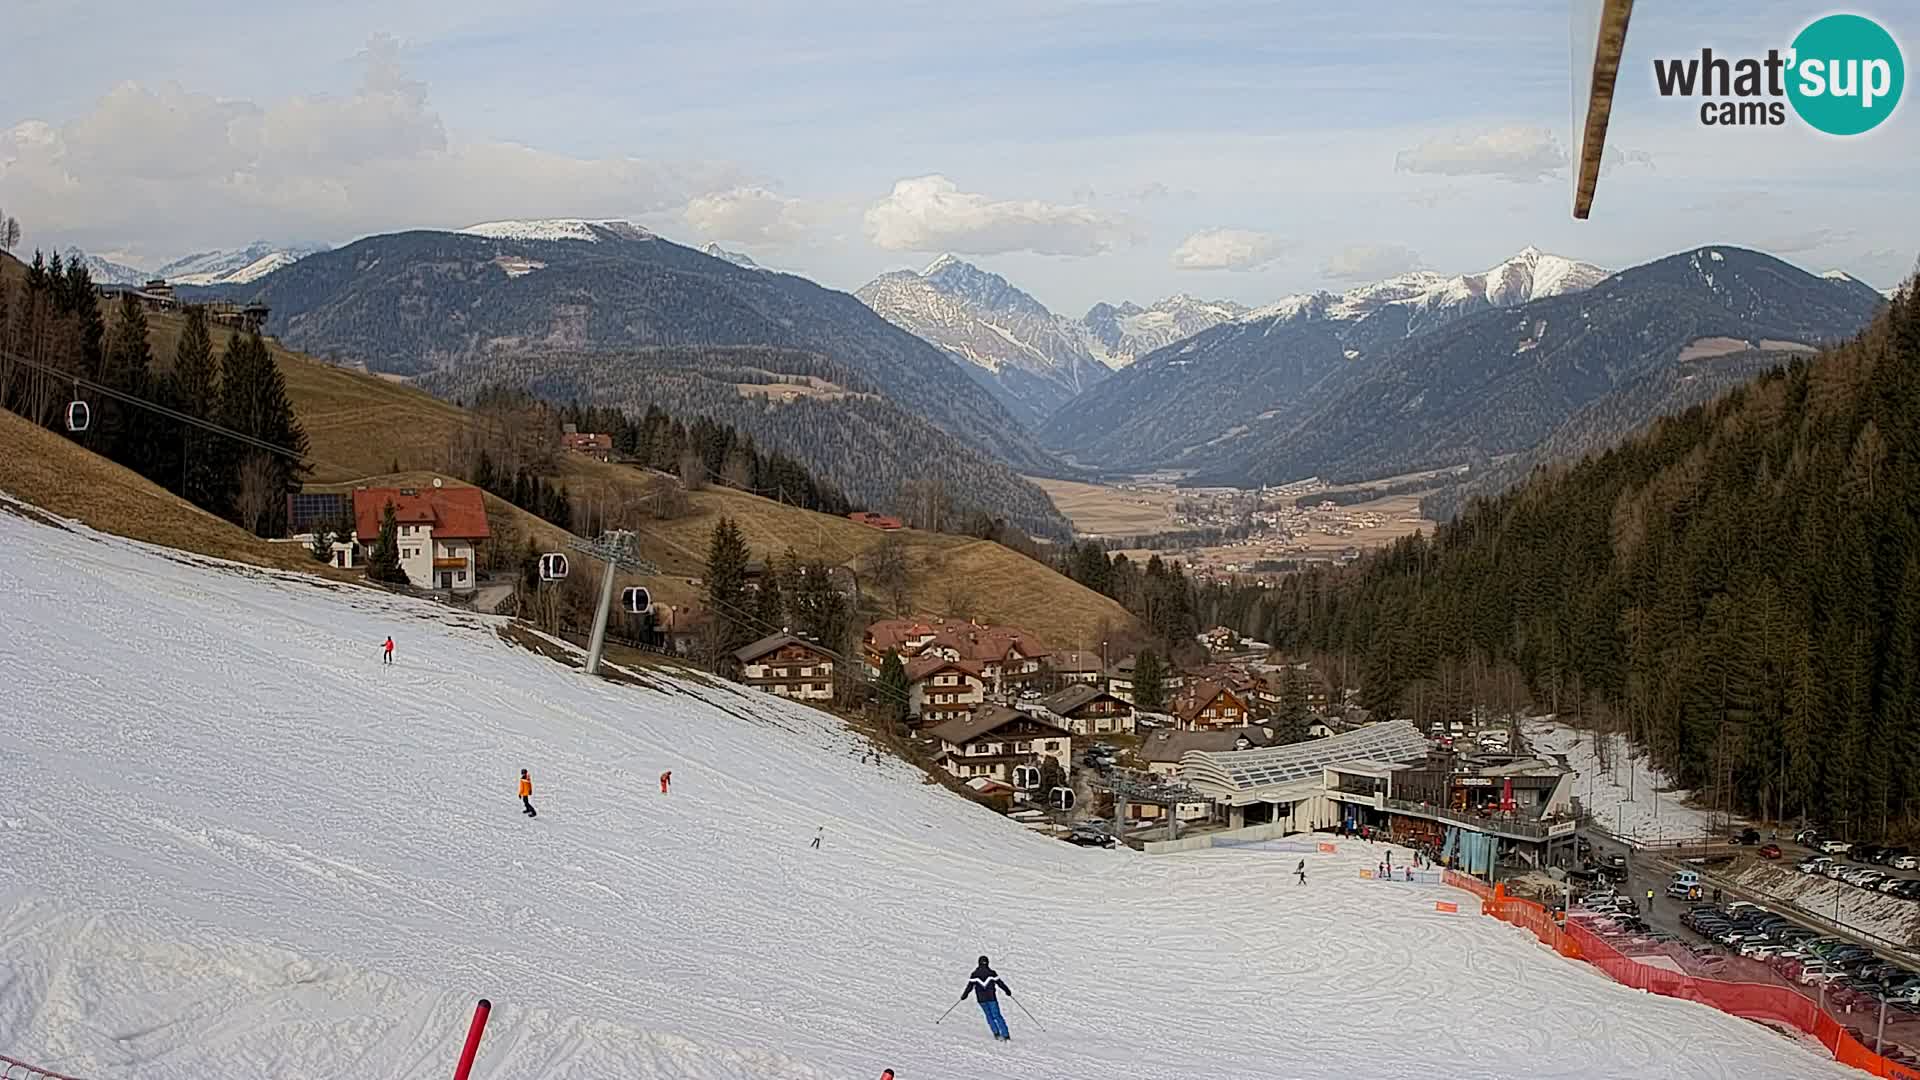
column 989, row 741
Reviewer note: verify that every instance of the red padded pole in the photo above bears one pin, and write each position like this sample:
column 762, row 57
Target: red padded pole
column 480, row 1012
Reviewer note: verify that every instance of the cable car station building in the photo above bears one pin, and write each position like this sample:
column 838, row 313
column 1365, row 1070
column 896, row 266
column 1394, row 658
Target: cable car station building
column 1387, row 776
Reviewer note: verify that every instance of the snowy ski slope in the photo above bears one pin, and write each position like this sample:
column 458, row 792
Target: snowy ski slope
column 233, row 845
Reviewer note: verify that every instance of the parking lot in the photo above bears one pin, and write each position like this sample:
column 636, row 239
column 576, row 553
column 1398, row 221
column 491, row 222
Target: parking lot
column 1706, row 938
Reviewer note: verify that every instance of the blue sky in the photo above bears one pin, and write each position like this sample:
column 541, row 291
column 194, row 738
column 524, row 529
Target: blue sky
column 1097, row 150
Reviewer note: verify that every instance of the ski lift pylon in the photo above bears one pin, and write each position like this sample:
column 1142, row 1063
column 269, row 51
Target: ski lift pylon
column 553, row 566
column 637, row 601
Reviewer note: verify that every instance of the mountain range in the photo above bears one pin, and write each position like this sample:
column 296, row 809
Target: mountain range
column 1422, row 371
column 1033, row 360
column 234, row 266
column 422, row 302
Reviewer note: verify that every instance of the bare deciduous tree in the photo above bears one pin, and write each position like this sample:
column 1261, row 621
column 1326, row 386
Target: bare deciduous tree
column 693, row 471
column 887, row 570
column 259, row 486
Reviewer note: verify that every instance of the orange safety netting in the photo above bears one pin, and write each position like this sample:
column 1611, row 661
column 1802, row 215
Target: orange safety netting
column 1766, row 1002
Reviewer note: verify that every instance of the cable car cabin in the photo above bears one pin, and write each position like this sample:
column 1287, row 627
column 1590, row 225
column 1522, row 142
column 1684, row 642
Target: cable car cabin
column 553, row 566
column 78, row 416
column 1062, row 798
column 637, row 601
column 1026, row 777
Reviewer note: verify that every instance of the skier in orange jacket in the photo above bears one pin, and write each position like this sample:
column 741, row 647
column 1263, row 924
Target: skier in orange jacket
column 526, row 794
column 665, row 779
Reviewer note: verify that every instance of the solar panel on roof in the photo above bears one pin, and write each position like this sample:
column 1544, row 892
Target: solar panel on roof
column 1396, row 742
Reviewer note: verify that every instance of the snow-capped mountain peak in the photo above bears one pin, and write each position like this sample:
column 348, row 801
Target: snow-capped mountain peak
column 583, row 229
column 237, row 266
column 745, row 262
column 107, row 272
column 1531, row 274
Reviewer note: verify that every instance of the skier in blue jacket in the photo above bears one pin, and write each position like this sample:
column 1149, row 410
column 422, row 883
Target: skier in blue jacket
column 981, row 985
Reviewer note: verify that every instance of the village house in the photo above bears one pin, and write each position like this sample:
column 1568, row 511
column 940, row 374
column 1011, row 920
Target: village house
column 1161, row 752
column 438, row 528
column 990, row 740
column 598, row 446
column 1120, row 678
column 875, row 521
column 1009, row 659
column 1072, row 667
column 788, row 666
column 939, row 689
column 1206, row 705
column 1089, row 710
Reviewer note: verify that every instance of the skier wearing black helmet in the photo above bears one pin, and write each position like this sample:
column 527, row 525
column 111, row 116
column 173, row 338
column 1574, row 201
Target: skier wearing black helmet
column 981, row 986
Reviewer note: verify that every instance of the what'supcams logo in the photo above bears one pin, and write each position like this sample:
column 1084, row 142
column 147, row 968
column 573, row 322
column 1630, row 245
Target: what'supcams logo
column 1843, row 75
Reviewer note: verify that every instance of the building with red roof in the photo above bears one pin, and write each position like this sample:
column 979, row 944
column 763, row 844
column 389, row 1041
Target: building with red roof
column 438, row 530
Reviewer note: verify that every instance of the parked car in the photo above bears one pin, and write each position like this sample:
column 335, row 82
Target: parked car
column 1807, row 837
column 1835, row 847
column 1770, row 851
column 1904, row 862
column 1749, row 836
column 1864, row 853
column 1815, row 864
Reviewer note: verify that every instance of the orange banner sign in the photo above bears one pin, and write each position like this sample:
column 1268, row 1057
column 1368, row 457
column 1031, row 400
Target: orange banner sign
column 1446, row 905
column 1327, row 849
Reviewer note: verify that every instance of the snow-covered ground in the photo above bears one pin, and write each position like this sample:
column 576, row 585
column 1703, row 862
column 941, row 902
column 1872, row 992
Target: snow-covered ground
column 1630, row 798
column 234, row 845
column 1862, row 910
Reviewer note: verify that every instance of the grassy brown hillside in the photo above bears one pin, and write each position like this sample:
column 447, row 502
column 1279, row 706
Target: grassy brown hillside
column 64, row 478
column 360, row 427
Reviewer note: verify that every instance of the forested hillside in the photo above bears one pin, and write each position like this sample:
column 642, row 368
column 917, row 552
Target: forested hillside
column 1739, row 587
column 431, row 301
column 823, row 415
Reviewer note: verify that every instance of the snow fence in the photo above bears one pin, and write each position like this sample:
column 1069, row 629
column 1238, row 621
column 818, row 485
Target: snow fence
column 1763, row 1002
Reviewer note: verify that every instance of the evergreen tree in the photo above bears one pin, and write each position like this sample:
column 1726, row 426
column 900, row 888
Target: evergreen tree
column 727, row 558
column 770, row 605
column 1292, row 719
column 120, row 429
column 1150, row 682
column 321, row 546
column 383, row 563
column 253, row 401
column 196, row 382
column 893, row 689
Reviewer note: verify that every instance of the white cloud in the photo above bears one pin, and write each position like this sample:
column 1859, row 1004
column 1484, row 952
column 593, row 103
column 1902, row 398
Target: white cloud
column 931, row 213
column 751, row 215
column 1227, row 249
column 1370, row 262
column 182, row 169
column 1517, row 153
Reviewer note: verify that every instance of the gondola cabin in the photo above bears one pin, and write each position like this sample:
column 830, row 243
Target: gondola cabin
column 553, row 566
column 637, row 601
column 78, row 416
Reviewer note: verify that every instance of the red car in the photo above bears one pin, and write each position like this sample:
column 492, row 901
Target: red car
column 1770, row 851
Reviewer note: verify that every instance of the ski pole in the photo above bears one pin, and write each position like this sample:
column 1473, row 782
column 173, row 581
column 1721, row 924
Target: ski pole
column 1029, row 1012
column 949, row 1012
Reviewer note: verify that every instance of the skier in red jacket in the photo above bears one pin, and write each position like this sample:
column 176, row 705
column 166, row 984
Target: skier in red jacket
column 665, row 779
column 387, row 651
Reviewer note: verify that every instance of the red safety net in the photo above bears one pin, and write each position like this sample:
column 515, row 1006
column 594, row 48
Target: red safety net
column 1752, row 990
column 14, row 1069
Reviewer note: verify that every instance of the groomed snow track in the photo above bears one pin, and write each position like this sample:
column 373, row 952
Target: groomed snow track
column 234, row 845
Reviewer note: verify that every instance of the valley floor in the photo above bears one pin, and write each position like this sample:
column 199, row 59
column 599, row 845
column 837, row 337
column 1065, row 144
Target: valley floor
column 235, row 845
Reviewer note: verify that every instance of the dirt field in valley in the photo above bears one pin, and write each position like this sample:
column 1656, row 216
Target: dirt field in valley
column 1099, row 510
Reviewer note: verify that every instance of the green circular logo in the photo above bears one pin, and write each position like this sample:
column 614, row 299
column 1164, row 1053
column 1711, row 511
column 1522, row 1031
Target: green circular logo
column 1847, row 74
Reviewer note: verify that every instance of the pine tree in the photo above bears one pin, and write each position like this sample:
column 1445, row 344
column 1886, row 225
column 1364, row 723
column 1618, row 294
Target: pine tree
column 253, row 401
column 196, row 381
column 1149, row 682
column 119, row 428
column 770, row 605
column 727, row 558
column 1293, row 716
column 383, row 563
column 893, row 688
column 321, row 546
